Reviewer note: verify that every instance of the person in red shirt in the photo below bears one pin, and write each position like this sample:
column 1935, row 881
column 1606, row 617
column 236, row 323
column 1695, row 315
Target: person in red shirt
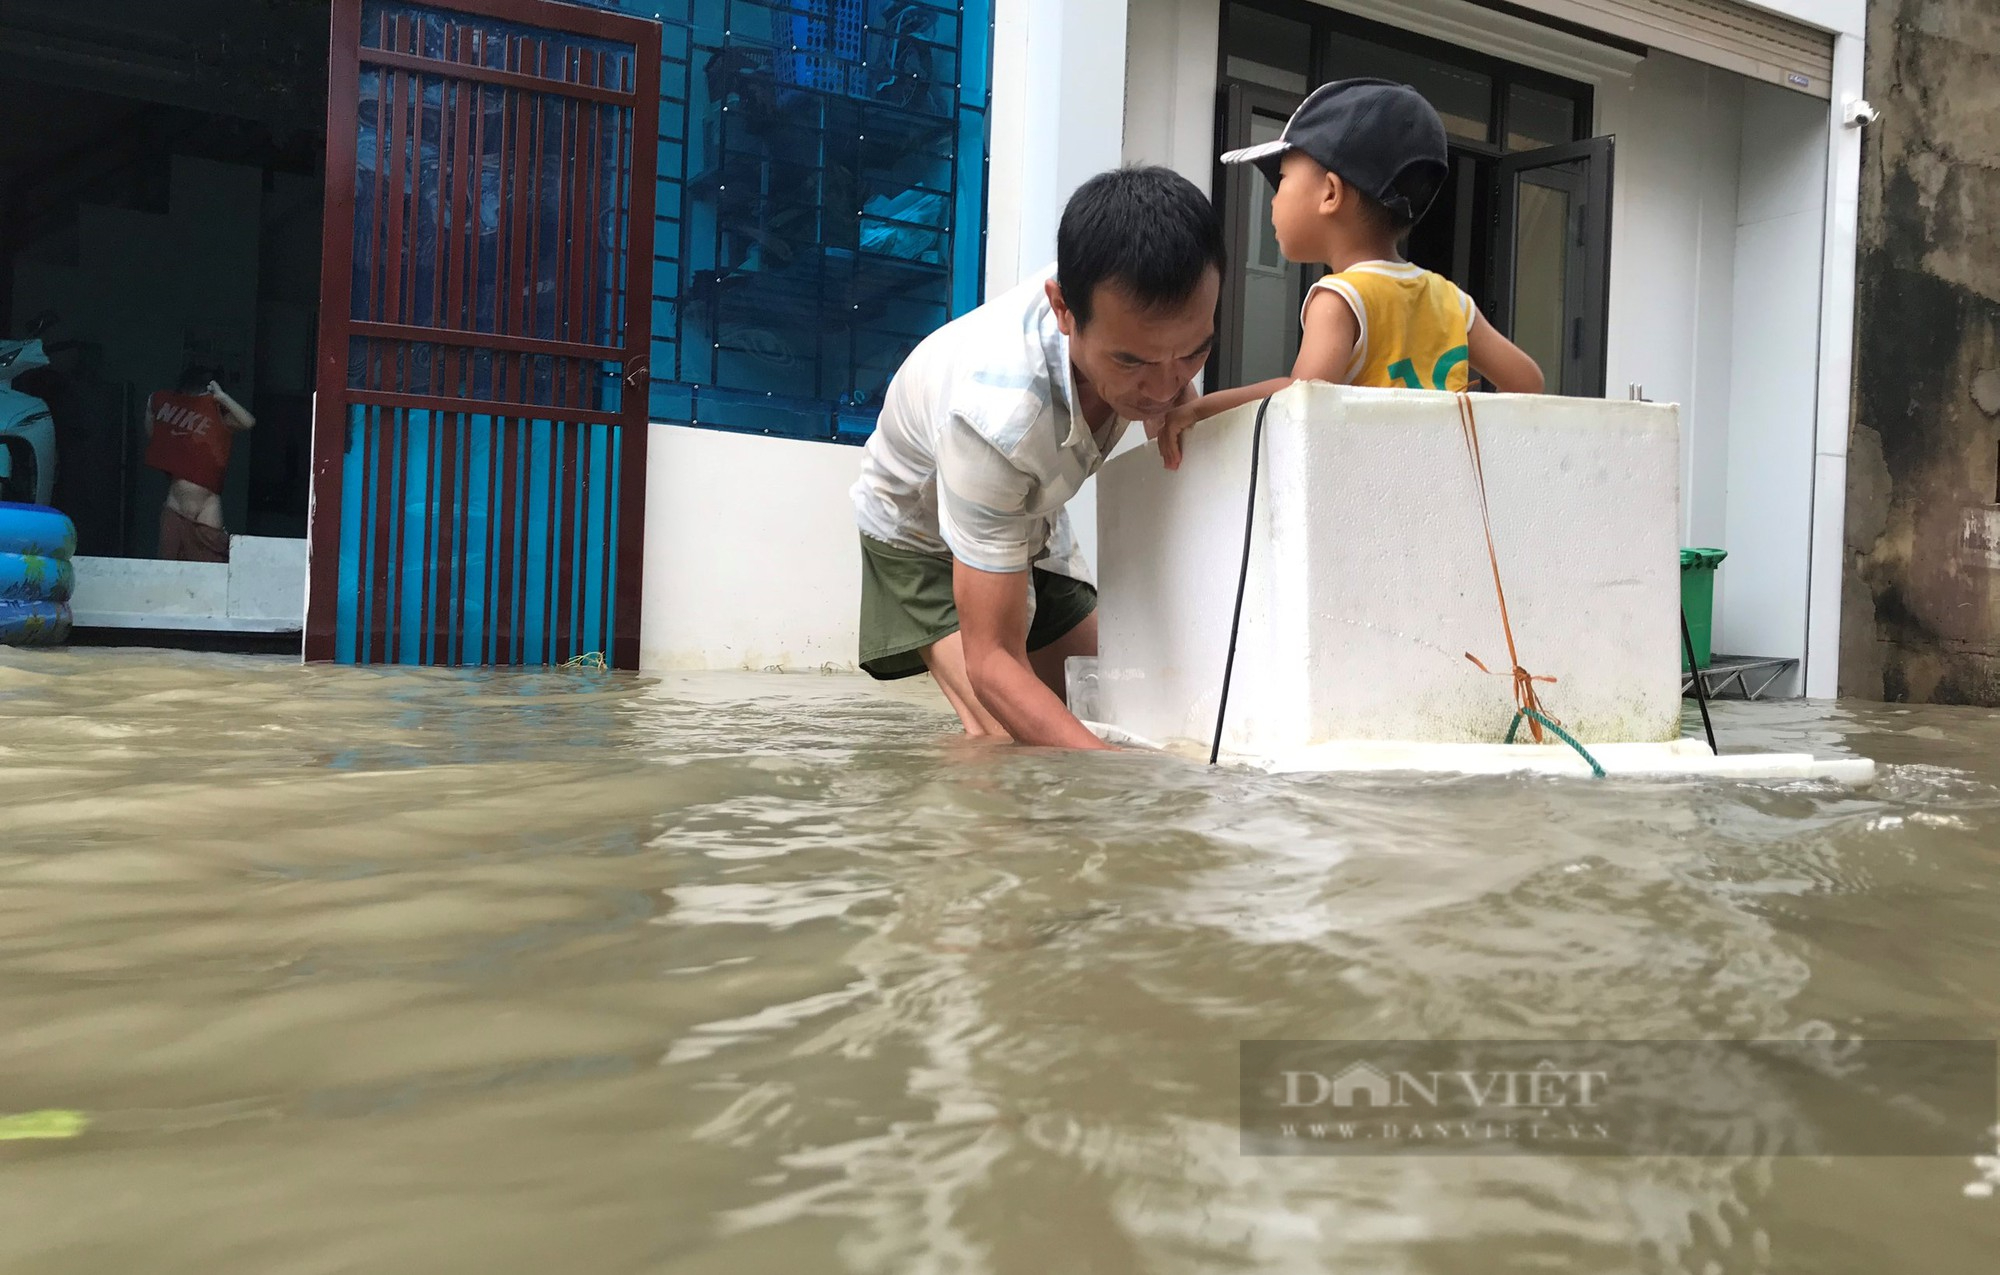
column 189, row 430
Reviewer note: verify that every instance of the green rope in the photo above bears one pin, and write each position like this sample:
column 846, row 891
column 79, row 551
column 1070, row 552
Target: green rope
column 1561, row 734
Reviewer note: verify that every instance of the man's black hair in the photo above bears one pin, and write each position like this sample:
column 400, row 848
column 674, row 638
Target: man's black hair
column 1149, row 232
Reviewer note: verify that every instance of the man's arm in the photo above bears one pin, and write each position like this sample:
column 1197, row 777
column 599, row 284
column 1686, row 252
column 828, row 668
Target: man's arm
column 993, row 624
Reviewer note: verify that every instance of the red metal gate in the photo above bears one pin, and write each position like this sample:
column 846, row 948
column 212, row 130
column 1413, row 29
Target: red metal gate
column 479, row 437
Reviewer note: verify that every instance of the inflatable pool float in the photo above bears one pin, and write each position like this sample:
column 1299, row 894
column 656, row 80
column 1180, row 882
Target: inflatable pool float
column 36, row 530
column 28, row 577
column 36, row 575
column 40, row 623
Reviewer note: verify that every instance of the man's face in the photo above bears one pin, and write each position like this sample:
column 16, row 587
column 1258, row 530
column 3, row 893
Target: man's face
column 1139, row 360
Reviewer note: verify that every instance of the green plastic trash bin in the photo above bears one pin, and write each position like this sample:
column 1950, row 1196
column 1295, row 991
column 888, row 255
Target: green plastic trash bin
column 1698, row 601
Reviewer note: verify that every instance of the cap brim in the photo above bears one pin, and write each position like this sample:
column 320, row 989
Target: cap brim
column 1269, row 158
column 1252, row 154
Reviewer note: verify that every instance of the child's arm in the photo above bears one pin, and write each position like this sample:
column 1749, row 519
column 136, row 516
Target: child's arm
column 1504, row 365
column 1168, row 429
column 1324, row 353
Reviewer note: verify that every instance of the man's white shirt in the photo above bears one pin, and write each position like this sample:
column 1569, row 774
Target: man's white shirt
column 979, row 446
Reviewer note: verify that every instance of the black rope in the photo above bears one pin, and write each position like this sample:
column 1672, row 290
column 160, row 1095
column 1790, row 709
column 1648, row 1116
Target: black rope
column 1242, row 580
column 1700, row 686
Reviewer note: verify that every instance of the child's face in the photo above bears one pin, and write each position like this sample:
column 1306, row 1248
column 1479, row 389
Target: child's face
column 1297, row 205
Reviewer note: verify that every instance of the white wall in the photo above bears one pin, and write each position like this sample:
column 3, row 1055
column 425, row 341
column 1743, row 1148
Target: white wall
column 1170, row 58
column 1836, row 368
column 1847, row 17
column 752, row 559
column 1773, row 406
column 1058, row 111
column 1006, row 145
column 1715, row 304
column 1678, row 128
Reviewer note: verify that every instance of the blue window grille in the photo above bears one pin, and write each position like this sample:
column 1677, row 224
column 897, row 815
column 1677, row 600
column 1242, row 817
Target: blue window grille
column 829, row 43
column 822, row 197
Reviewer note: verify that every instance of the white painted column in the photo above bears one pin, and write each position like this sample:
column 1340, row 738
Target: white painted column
column 1170, row 82
column 1006, row 144
column 1836, row 376
column 1058, row 120
column 1764, row 591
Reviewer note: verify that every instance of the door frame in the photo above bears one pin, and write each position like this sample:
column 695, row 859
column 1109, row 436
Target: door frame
column 334, row 397
column 1587, row 342
column 1237, row 102
column 1327, row 24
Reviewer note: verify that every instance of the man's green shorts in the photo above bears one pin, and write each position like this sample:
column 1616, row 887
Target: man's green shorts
column 907, row 604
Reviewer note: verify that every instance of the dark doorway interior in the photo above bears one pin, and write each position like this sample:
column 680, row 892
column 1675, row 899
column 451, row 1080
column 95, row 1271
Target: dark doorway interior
column 161, row 189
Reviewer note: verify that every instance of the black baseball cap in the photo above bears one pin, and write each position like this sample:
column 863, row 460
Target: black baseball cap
column 1380, row 137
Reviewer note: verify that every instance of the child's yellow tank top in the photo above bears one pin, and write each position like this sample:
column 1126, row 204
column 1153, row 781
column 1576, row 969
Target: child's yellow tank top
column 1414, row 326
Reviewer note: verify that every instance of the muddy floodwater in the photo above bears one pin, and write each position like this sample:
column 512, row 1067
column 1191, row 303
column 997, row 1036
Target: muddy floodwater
column 428, row 972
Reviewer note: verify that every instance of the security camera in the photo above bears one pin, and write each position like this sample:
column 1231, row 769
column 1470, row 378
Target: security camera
column 1860, row 113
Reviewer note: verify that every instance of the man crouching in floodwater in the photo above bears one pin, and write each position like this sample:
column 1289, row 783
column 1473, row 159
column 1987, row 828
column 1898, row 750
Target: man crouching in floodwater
column 969, row 569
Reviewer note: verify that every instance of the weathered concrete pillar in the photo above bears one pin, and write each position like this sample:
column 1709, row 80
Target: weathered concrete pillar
column 1922, row 592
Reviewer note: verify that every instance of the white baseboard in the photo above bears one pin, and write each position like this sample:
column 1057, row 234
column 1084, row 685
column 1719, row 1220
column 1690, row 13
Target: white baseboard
column 261, row 589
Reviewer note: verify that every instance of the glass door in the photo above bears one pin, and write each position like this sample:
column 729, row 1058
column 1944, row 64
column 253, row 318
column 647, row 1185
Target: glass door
column 1258, row 328
column 1552, row 274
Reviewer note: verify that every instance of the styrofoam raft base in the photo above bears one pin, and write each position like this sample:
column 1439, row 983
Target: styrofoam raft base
column 1369, row 577
column 1683, row 759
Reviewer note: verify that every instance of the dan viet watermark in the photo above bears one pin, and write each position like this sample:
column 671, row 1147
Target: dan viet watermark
column 1733, row 1098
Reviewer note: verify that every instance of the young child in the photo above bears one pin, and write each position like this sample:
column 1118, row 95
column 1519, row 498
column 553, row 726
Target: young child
column 1358, row 165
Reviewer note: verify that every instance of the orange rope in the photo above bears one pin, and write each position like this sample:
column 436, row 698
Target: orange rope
column 1524, row 682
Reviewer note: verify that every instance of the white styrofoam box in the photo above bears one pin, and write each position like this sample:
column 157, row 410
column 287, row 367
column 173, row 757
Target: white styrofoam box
column 1369, row 581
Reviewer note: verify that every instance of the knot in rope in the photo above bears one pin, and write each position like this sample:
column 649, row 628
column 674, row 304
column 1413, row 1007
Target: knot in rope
column 1527, row 702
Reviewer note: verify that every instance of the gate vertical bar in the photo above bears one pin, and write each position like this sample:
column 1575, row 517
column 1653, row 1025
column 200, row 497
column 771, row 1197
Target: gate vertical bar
column 331, row 421
column 635, row 392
